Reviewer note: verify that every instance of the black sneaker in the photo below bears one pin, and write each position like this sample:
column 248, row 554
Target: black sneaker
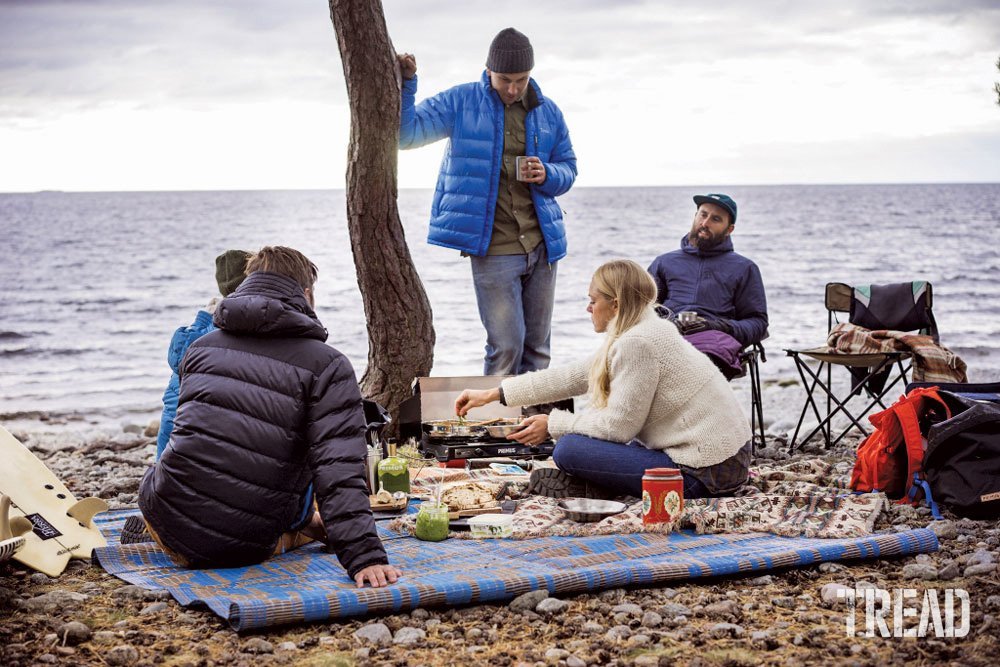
column 556, row 483
column 134, row 531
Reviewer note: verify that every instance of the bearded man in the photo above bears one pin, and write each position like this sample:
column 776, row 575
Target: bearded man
column 706, row 276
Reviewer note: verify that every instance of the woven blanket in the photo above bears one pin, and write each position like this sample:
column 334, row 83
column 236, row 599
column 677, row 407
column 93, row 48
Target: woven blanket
column 932, row 362
column 808, row 498
column 309, row 585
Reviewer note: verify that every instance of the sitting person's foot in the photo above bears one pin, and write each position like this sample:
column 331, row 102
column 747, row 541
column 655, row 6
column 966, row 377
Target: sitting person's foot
column 134, row 531
column 556, row 483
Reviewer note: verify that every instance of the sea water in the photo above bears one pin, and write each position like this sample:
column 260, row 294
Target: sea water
column 92, row 285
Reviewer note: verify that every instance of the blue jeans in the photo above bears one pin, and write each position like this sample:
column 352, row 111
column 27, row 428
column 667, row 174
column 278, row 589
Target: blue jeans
column 515, row 294
column 614, row 466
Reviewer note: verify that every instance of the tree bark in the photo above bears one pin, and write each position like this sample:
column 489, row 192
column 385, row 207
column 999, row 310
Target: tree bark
column 400, row 327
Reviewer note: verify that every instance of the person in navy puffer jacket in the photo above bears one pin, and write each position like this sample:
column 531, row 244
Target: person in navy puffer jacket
column 265, row 408
column 508, row 158
column 708, row 277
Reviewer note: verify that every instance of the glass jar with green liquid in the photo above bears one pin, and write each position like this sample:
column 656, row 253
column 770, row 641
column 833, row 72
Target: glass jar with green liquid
column 432, row 522
column 394, row 472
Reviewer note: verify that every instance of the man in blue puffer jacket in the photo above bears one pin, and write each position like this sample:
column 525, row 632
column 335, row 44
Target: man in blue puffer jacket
column 492, row 206
column 706, row 276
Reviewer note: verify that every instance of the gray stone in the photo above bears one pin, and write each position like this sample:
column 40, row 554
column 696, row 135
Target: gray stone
column 945, row 530
column 73, row 633
column 551, row 606
column 759, row 635
column 257, row 645
column 362, row 653
column 765, row 580
column 556, row 654
column 591, row 628
column 920, row 571
column 639, row 640
column 528, row 601
column 647, row 660
column 675, row 609
column 573, row 661
column 721, row 609
column 618, row 632
column 48, row 659
column 420, row 614
column 57, row 600
column 407, row 636
column 980, row 557
column 38, row 578
column 723, row 630
column 154, row 608
column 949, row 571
column 122, row 656
column 784, row 602
column 627, row 608
column 376, row 633
column 831, row 595
column 651, row 619
column 980, row 568
column 288, row 646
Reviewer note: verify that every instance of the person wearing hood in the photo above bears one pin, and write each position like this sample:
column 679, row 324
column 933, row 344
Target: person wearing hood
column 706, row 276
column 266, row 407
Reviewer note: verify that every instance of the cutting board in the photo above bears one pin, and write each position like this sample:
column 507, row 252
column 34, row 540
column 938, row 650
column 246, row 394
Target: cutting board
column 62, row 527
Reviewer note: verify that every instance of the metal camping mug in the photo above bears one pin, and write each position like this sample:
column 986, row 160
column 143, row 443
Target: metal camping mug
column 662, row 495
column 519, row 163
column 687, row 316
column 371, row 466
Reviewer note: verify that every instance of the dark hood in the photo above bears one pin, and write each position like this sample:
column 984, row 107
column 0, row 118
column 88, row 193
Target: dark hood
column 724, row 247
column 269, row 305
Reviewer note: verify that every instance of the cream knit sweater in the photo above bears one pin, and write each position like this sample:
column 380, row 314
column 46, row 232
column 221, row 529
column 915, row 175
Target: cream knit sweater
column 663, row 392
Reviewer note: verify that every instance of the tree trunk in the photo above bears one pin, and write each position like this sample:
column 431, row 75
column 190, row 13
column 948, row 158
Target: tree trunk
column 400, row 328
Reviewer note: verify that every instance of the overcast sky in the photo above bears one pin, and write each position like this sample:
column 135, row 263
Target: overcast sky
column 202, row 94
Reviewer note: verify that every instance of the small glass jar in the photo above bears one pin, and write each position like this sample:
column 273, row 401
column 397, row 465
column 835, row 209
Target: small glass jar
column 394, row 472
column 432, row 522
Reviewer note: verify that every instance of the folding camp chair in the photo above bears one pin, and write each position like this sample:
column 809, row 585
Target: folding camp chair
column 750, row 359
column 898, row 307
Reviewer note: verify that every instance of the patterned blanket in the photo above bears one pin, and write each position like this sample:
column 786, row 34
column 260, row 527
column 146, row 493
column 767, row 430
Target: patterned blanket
column 931, row 361
column 308, row 584
column 808, row 498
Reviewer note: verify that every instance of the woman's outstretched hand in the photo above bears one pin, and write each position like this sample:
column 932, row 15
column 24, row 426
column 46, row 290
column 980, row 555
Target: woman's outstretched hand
column 534, row 430
column 474, row 398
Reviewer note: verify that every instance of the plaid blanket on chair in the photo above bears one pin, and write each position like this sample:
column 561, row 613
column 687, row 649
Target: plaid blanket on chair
column 931, row 361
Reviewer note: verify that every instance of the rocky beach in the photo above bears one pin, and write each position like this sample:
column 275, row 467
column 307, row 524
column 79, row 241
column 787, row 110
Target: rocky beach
column 794, row 616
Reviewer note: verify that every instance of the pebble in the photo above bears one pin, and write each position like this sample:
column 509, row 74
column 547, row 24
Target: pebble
column 949, row 571
column 73, row 633
column 121, row 656
column 723, row 630
column 647, row 660
column 979, row 569
column 556, row 654
column 39, row 578
column 784, row 602
column 154, row 608
column 53, row 601
column 407, row 636
column 980, row 557
column 618, row 632
column 675, row 609
column 765, row 580
column 376, row 633
column 551, row 606
column 573, row 661
column 725, row 608
column 945, row 530
column 651, row 619
column 256, row 645
column 832, row 595
column 923, row 571
column 591, row 627
column 627, row 608
column 288, row 647
column 528, row 601
column 420, row 614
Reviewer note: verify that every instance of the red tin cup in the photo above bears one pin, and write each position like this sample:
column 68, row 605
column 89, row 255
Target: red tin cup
column 662, row 495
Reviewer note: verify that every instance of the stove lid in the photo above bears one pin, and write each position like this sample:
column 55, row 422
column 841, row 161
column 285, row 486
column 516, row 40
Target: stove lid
column 438, row 395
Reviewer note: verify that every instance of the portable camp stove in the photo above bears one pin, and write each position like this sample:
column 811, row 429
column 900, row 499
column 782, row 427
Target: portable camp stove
column 434, row 399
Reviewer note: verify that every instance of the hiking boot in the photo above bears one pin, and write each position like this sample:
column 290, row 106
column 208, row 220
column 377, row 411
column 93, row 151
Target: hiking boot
column 134, row 531
column 556, row 483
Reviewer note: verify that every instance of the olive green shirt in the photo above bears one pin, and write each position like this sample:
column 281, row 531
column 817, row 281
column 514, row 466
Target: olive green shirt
column 515, row 223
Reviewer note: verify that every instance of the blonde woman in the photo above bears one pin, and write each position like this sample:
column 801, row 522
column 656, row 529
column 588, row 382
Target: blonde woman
column 655, row 401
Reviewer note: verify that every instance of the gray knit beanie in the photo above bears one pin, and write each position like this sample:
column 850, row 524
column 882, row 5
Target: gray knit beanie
column 230, row 270
column 510, row 53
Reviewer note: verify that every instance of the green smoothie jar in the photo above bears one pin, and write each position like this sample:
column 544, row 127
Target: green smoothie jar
column 394, row 472
column 432, row 522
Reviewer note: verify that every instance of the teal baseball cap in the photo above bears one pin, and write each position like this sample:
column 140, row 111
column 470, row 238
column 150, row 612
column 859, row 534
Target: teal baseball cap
column 725, row 201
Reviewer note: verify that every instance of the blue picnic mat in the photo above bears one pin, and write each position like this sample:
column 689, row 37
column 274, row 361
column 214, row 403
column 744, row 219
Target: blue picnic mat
column 309, row 584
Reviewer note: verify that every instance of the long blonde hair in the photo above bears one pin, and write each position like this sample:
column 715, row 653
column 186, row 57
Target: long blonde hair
column 628, row 283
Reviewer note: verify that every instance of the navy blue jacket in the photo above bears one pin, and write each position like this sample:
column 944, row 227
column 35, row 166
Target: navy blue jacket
column 266, row 407
column 471, row 115
column 717, row 283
